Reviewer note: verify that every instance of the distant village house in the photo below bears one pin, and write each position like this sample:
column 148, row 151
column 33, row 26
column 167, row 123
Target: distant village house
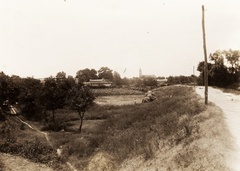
column 98, row 83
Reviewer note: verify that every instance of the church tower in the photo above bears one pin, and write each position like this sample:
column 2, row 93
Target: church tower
column 140, row 73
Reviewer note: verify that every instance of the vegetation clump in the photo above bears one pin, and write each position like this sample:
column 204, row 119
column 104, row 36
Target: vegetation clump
column 136, row 130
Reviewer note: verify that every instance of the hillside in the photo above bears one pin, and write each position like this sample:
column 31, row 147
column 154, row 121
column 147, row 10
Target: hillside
column 175, row 132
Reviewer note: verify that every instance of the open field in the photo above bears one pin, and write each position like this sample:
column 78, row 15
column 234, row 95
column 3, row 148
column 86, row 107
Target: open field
column 119, row 100
column 116, row 91
column 175, row 132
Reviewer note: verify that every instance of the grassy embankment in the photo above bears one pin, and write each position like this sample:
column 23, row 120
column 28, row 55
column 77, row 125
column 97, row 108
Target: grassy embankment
column 176, row 125
column 175, row 132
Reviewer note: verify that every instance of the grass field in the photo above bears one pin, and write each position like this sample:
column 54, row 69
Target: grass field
column 119, row 100
column 176, row 129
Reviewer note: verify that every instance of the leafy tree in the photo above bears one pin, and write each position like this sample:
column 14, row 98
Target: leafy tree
column 29, row 96
column 63, row 86
column 219, row 74
column 200, row 68
column 117, row 78
column 137, row 82
column 86, row 74
column 125, row 81
column 14, row 86
column 106, row 73
column 217, row 57
column 4, row 88
column 80, row 98
column 51, row 97
column 61, row 76
column 181, row 79
column 149, row 81
column 233, row 57
column 160, row 77
column 9, row 88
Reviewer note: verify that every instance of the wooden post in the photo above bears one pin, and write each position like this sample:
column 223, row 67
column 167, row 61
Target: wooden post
column 205, row 59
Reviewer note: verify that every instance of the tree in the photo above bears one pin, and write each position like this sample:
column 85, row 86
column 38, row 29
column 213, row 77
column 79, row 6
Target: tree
column 117, row 79
column 125, row 81
column 106, row 73
column 149, row 81
column 200, row 68
column 233, row 57
column 63, row 86
column 51, row 97
column 29, row 96
column 80, row 98
column 4, row 88
column 86, row 74
column 9, row 88
column 137, row 82
column 61, row 76
column 217, row 57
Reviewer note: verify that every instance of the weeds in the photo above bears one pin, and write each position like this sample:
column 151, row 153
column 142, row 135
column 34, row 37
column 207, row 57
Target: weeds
column 1, row 165
column 127, row 131
column 133, row 130
column 116, row 91
column 13, row 141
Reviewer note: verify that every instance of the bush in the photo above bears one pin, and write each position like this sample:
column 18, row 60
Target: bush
column 33, row 150
column 84, row 146
column 54, row 126
column 8, row 132
column 2, row 116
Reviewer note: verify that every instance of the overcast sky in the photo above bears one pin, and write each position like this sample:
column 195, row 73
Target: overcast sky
column 162, row 37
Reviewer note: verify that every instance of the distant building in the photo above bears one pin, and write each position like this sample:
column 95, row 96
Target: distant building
column 98, row 83
column 145, row 76
column 162, row 81
column 42, row 80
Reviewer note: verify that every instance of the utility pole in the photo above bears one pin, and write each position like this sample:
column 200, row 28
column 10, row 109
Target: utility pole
column 205, row 58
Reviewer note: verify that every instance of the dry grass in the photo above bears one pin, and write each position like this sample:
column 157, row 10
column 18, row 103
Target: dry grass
column 116, row 91
column 207, row 148
column 175, row 132
column 135, row 130
column 1, row 165
column 27, row 143
column 233, row 91
column 210, row 146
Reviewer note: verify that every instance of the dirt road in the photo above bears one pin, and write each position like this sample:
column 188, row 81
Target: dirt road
column 230, row 105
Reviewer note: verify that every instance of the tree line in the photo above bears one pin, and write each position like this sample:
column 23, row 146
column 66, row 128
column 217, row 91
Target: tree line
column 223, row 69
column 35, row 98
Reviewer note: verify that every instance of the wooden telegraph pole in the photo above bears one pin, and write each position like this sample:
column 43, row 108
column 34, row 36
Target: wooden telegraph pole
column 205, row 59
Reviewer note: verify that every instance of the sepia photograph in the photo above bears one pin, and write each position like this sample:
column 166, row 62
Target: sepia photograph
column 119, row 85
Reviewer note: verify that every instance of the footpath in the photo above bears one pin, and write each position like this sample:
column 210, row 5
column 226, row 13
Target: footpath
column 230, row 105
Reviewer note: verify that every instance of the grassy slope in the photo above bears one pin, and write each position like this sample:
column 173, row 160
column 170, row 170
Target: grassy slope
column 175, row 132
column 20, row 140
column 206, row 148
column 176, row 129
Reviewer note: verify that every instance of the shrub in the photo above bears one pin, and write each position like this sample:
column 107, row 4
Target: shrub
column 84, row 146
column 33, row 150
column 8, row 132
column 54, row 126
